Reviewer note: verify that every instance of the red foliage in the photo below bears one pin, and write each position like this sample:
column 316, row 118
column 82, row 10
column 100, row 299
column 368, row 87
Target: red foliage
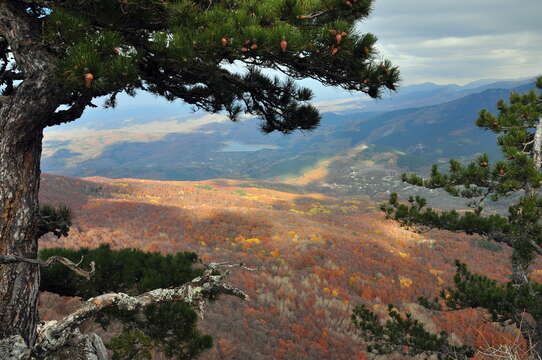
column 319, row 256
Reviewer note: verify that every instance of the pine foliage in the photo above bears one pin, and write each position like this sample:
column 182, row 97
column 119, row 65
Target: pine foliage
column 184, row 49
column 56, row 220
column 405, row 335
column 169, row 328
column 518, row 178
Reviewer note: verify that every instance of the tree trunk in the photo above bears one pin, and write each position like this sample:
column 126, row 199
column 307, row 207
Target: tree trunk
column 23, row 115
column 20, row 152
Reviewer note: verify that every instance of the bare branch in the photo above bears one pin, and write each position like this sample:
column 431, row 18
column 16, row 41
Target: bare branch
column 314, row 15
column 227, row 264
column 13, row 259
column 54, row 335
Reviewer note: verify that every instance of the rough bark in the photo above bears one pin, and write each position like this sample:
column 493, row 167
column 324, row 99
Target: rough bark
column 81, row 347
column 19, row 185
column 14, row 348
column 22, row 118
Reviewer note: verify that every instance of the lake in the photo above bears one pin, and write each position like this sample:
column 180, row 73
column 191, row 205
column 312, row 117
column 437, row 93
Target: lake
column 231, row 146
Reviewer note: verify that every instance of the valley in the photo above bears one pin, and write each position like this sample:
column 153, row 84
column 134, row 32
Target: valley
column 192, row 147
column 303, row 209
column 318, row 255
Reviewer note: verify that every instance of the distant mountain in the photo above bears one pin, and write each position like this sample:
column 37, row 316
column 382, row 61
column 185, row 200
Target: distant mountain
column 432, row 94
column 404, row 141
column 432, row 123
column 172, row 150
column 501, row 83
column 443, row 130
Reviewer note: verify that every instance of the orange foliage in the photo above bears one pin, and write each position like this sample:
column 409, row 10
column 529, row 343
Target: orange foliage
column 357, row 255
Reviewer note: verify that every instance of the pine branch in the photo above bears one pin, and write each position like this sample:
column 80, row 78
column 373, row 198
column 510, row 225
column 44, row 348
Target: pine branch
column 521, row 229
column 73, row 113
column 405, row 335
column 53, row 335
column 10, row 75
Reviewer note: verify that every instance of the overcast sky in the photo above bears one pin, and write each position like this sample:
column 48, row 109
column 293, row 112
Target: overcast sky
column 458, row 41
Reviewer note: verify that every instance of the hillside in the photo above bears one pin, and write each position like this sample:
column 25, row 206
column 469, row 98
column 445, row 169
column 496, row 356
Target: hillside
column 433, row 123
column 318, row 255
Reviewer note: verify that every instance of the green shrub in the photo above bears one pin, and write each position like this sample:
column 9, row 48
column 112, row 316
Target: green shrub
column 204, row 187
column 488, row 245
column 169, row 327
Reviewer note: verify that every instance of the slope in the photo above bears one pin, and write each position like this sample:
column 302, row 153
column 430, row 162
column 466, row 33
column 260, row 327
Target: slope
column 209, row 147
column 318, row 256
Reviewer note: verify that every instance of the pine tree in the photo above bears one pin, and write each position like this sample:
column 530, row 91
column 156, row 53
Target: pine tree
column 516, row 177
column 56, row 56
column 134, row 272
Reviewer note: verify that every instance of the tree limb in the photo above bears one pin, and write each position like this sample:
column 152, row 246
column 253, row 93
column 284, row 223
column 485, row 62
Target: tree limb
column 13, row 259
column 11, row 75
column 71, row 114
column 314, row 15
column 507, row 239
column 53, row 335
column 536, row 247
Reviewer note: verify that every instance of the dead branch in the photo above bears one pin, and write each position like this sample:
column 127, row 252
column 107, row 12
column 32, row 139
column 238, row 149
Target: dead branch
column 54, row 335
column 314, row 15
column 13, row 259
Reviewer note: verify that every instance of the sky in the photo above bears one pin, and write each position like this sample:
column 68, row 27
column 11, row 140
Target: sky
column 440, row 41
column 459, row 41
column 454, row 42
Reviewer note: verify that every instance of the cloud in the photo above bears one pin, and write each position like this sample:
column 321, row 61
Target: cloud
column 460, row 41
column 440, row 41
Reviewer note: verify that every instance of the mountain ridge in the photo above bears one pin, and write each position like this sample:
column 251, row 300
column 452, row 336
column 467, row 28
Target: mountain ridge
column 434, row 133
